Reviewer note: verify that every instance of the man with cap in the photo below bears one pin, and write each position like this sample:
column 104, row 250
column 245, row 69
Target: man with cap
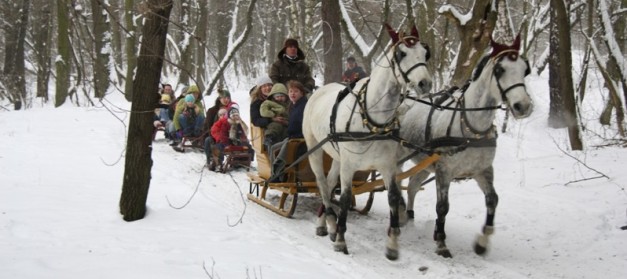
column 290, row 65
column 353, row 71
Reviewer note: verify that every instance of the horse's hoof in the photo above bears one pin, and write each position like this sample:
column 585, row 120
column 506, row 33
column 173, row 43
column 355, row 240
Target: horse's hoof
column 333, row 236
column 391, row 254
column 444, row 253
column 481, row 244
column 321, row 231
column 480, row 250
column 410, row 214
column 341, row 247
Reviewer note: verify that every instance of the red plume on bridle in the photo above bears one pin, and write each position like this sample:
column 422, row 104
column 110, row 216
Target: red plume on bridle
column 409, row 41
column 502, row 49
column 392, row 33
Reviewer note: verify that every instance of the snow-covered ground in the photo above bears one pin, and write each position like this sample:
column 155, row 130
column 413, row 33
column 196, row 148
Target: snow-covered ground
column 61, row 177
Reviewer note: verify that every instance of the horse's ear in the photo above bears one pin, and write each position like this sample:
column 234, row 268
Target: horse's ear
column 392, row 33
column 516, row 44
column 414, row 33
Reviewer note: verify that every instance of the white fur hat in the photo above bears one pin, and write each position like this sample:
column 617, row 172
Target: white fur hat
column 263, row 80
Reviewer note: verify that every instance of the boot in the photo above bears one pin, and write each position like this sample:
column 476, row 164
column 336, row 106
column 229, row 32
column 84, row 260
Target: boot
column 268, row 142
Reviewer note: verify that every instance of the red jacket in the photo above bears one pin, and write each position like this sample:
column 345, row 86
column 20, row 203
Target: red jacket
column 220, row 132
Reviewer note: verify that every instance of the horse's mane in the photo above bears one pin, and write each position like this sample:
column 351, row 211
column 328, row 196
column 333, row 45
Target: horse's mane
column 480, row 67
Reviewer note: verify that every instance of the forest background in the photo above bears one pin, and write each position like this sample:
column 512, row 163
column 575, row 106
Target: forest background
column 79, row 51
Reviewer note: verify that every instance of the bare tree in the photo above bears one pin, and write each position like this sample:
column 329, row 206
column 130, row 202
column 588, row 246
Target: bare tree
column 563, row 107
column 42, row 41
column 138, row 163
column 474, row 36
column 233, row 43
column 130, row 48
column 16, row 15
column 102, row 46
column 332, row 40
column 64, row 50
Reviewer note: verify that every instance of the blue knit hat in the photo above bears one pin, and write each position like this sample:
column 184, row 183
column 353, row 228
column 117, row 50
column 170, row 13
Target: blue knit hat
column 190, row 98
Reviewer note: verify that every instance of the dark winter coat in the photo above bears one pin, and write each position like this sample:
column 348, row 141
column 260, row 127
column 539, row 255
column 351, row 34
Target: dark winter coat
column 295, row 125
column 354, row 74
column 255, row 114
column 285, row 69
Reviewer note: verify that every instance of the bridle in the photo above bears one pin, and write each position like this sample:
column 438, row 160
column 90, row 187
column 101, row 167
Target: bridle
column 513, row 54
column 398, row 57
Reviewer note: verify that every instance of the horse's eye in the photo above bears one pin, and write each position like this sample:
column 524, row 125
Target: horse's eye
column 399, row 55
column 428, row 55
column 498, row 71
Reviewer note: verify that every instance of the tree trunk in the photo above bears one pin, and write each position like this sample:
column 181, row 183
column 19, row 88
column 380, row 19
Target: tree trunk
column 130, row 48
column 15, row 16
column 560, row 45
column 201, row 34
column 474, row 37
column 332, row 40
column 185, row 45
column 64, row 63
column 138, row 162
column 102, row 46
column 42, row 42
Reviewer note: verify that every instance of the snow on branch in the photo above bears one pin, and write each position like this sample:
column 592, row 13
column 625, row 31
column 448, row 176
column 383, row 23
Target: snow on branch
column 610, row 40
column 454, row 14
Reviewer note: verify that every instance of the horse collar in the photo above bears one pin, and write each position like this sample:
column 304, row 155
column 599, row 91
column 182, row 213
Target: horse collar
column 375, row 128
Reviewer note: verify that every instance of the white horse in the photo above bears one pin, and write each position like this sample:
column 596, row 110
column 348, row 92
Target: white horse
column 355, row 130
column 467, row 115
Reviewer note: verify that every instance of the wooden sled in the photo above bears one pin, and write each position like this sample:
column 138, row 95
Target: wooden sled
column 300, row 179
column 234, row 156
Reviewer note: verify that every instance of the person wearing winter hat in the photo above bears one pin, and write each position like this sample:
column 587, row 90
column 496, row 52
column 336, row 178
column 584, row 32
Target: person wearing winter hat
column 189, row 115
column 228, row 130
column 222, row 101
column 275, row 106
column 298, row 101
column 260, row 94
column 353, row 71
column 290, row 65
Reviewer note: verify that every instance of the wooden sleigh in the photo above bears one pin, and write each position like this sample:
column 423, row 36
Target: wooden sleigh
column 300, row 179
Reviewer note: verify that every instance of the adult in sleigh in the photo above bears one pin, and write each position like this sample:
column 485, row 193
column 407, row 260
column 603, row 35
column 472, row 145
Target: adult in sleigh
column 232, row 148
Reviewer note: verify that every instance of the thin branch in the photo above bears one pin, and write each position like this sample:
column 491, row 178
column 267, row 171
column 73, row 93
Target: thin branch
column 601, row 175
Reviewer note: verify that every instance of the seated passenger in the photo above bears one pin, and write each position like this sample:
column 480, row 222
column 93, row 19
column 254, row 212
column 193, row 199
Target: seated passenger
column 295, row 126
column 162, row 115
column 275, row 106
column 258, row 96
column 228, row 130
column 222, row 104
column 189, row 115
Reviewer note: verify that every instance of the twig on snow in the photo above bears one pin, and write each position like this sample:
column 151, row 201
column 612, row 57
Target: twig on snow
column 601, row 175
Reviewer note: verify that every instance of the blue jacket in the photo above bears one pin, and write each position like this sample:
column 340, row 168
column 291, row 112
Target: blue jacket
column 295, row 125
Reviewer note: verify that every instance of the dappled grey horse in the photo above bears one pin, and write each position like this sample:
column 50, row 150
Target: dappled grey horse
column 465, row 116
column 353, row 127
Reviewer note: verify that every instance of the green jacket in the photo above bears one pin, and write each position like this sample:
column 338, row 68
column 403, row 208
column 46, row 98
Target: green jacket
column 180, row 106
column 272, row 109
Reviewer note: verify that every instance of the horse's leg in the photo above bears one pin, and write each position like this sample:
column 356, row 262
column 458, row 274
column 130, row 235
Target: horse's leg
column 327, row 219
column 316, row 164
column 346, row 182
column 441, row 208
column 397, row 206
column 485, row 181
column 415, row 185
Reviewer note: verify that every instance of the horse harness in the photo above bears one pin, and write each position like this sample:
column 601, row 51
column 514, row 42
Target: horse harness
column 485, row 138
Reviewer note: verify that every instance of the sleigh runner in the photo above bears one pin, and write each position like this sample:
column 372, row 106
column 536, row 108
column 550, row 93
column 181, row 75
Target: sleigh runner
column 299, row 179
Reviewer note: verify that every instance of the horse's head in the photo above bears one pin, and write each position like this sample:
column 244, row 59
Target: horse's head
column 408, row 59
column 508, row 74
